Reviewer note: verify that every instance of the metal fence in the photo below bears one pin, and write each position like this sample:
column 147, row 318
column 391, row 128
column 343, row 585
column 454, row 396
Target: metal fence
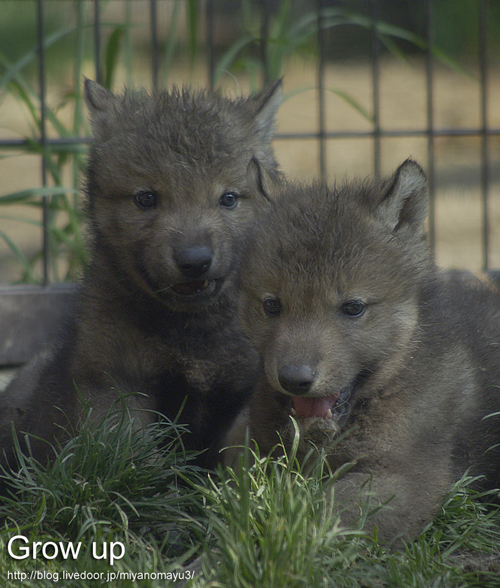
column 371, row 9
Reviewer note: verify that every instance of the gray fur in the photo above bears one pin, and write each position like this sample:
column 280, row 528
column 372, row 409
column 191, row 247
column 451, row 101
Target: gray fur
column 155, row 320
column 410, row 381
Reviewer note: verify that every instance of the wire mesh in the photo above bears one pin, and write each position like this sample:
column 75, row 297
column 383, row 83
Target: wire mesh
column 324, row 133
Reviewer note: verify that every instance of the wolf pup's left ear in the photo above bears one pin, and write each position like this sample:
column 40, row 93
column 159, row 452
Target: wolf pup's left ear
column 406, row 201
column 266, row 104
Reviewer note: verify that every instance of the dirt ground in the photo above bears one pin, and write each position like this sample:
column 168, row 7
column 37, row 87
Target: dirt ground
column 458, row 200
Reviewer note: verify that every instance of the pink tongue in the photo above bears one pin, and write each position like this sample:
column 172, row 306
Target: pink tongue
column 313, row 407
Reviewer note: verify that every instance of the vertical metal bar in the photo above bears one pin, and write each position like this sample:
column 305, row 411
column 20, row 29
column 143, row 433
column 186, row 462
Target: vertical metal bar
column 97, row 42
column 321, row 92
column 264, row 34
column 210, row 42
column 375, row 88
column 43, row 138
column 483, row 67
column 153, row 22
column 78, row 119
column 429, row 68
column 128, row 42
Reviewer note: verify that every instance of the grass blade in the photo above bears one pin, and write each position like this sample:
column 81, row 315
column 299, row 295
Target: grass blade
column 15, row 69
column 111, row 55
column 171, row 41
column 19, row 256
column 31, row 193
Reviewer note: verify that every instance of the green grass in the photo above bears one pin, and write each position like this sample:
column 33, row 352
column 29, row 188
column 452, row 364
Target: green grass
column 267, row 523
column 108, row 484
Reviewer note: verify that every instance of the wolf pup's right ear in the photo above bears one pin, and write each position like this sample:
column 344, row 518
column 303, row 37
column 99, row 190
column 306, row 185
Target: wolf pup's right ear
column 99, row 101
column 266, row 104
column 97, row 98
column 405, row 203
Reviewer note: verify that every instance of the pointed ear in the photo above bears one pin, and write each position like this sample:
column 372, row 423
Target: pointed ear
column 99, row 102
column 97, row 98
column 266, row 105
column 258, row 179
column 405, row 203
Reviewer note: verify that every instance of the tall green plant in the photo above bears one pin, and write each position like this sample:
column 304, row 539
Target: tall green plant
column 64, row 220
column 289, row 35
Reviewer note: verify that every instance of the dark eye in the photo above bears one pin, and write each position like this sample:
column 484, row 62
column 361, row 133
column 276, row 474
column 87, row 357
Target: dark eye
column 353, row 308
column 272, row 306
column 145, row 199
column 229, row 199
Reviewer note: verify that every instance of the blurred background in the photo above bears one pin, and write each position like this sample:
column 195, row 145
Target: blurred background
column 368, row 83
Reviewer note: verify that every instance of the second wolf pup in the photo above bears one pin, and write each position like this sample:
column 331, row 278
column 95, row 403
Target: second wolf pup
column 381, row 359
column 174, row 180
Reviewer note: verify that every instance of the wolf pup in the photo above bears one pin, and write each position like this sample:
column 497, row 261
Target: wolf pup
column 380, row 359
column 174, row 180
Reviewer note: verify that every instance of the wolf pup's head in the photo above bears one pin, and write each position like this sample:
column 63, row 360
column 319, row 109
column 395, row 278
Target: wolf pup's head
column 330, row 293
column 174, row 179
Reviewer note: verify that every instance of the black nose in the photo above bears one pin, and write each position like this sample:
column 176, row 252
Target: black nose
column 296, row 379
column 194, row 261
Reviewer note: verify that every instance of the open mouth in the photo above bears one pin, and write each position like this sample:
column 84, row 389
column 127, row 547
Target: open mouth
column 322, row 407
column 196, row 288
column 320, row 419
